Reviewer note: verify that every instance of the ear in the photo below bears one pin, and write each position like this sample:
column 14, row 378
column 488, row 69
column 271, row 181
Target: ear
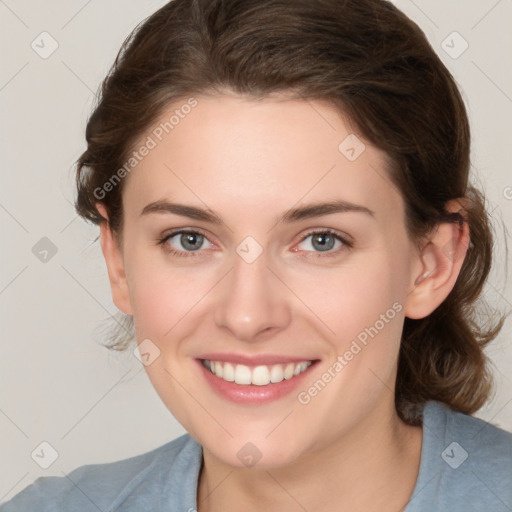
column 440, row 262
column 115, row 264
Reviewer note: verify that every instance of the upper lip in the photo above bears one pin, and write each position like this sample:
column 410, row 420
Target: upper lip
column 254, row 360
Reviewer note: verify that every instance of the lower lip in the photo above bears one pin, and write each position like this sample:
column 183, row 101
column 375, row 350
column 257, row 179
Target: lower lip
column 252, row 394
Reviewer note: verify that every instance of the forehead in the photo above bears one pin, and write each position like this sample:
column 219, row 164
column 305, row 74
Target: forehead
column 236, row 153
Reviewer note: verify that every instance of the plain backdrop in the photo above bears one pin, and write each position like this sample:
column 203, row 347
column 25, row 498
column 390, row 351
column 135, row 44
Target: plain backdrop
column 58, row 385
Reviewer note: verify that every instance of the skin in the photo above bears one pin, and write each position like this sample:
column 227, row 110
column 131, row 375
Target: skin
column 249, row 161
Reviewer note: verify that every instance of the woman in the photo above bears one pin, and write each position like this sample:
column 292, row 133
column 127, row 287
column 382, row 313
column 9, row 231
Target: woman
column 283, row 198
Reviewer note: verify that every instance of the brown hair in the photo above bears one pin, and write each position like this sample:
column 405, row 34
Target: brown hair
column 377, row 67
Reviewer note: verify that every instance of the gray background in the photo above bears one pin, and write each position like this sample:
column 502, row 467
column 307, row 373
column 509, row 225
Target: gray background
column 58, row 384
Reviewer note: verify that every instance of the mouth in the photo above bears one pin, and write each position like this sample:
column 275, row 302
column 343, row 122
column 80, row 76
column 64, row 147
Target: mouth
column 254, row 381
column 261, row 375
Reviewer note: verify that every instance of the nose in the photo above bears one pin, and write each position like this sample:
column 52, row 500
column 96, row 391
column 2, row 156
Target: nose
column 253, row 302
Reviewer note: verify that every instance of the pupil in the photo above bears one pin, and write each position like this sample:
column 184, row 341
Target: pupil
column 323, row 237
column 189, row 240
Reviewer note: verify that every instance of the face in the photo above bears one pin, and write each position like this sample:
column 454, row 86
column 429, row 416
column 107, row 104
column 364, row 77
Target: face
column 265, row 281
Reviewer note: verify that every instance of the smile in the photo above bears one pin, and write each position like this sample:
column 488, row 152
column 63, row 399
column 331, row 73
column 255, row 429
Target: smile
column 259, row 375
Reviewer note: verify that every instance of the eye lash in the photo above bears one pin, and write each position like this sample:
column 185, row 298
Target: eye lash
column 347, row 244
column 162, row 240
column 333, row 233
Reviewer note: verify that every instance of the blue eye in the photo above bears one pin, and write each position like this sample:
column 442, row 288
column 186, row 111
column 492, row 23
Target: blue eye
column 322, row 241
column 192, row 241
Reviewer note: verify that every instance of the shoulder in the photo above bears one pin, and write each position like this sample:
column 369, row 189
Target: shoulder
column 143, row 482
column 466, row 463
column 485, row 443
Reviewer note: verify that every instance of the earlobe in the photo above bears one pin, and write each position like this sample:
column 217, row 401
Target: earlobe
column 441, row 261
column 115, row 265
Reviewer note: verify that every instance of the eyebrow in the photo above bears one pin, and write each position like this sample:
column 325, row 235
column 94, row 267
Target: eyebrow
column 308, row 211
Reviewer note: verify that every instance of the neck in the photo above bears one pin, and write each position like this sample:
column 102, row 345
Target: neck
column 373, row 467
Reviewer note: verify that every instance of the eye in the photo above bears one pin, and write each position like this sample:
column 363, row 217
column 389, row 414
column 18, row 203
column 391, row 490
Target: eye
column 324, row 241
column 191, row 241
column 185, row 243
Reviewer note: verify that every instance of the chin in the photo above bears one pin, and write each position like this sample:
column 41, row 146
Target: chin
column 247, row 451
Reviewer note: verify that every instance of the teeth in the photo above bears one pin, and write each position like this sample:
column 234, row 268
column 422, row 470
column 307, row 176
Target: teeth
column 242, row 374
column 288, row 371
column 300, row 368
column 228, row 372
column 276, row 373
column 259, row 375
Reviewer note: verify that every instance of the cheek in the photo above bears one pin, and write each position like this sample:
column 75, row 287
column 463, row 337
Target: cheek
column 363, row 307
column 161, row 293
column 357, row 295
column 162, row 299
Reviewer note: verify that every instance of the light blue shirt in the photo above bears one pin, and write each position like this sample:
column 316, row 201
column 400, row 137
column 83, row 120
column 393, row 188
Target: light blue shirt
column 466, row 466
